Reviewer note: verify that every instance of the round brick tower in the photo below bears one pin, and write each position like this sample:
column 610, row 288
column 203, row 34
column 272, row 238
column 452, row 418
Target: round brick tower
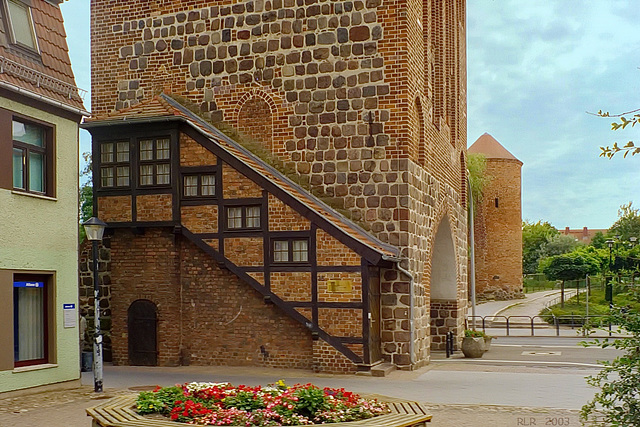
column 498, row 224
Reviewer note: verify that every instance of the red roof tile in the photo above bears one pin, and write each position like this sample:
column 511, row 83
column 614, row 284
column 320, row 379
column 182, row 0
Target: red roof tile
column 491, row 148
column 52, row 77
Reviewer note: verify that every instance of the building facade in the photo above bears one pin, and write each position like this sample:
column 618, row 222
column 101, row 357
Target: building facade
column 40, row 109
column 498, row 224
column 326, row 227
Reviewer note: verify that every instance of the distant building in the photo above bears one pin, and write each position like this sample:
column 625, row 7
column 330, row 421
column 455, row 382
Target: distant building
column 39, row 114
column 498, row 224
column 583, row 234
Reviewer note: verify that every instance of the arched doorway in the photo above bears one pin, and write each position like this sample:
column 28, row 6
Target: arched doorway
column 444, row 286
column 142, row 320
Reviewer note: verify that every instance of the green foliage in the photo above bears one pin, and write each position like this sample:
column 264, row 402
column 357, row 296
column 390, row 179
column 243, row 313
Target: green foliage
column 617, row 403
column 478, row 179
column 623, row 122
column 598, row 241
column 85, row 195
column 311, row 400
column 628, row 223
column 159, row 400
column 470, row 333
column 244, row 400
column 534, row 236
column 558, row 244
column 571, row 266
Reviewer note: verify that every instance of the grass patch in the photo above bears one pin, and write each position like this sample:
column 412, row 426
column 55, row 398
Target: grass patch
column 573, row 311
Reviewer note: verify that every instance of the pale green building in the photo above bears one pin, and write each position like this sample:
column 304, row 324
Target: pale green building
column 40, row 109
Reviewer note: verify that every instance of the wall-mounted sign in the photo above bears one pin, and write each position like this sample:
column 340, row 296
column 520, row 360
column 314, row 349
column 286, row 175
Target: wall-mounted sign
column 70, row 315
column 28, row 284
column 339, row 285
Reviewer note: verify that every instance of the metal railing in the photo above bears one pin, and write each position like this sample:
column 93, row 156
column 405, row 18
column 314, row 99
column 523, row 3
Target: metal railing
column 558, row 323
column 39, row 79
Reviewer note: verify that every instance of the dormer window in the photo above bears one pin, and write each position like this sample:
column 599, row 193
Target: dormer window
column 20, row 24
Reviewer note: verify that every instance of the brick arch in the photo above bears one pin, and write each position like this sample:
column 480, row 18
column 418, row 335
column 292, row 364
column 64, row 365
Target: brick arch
column 253, row 116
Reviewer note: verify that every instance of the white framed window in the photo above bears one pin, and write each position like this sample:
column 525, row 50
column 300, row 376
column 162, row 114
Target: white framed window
column 20, row 23
column 291, row 250
column 243, row 217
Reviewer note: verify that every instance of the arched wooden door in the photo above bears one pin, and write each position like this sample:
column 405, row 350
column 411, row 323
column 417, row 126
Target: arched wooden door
column 143, row 332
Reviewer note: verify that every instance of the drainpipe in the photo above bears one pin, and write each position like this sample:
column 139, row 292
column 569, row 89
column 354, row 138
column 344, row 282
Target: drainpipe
column 472, row 254
column 411, row 305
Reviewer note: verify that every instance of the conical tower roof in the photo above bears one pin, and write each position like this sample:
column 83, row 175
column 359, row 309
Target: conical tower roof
column 491, row 148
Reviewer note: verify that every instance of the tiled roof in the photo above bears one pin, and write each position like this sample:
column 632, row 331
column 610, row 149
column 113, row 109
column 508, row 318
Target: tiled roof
column 491, row 148
column 51, row 77
column 162, row 106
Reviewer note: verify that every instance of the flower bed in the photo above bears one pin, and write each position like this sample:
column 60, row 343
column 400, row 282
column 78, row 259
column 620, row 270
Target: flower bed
column 221, row 404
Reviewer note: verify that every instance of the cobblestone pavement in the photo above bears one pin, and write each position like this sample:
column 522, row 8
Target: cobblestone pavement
column 66, row 408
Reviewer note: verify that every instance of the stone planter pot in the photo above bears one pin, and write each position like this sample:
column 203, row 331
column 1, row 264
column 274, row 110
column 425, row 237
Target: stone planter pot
column 487, row 343
column 473, row 347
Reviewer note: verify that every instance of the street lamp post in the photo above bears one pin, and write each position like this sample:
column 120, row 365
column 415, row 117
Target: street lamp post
column 609, row 286
column 95, row 230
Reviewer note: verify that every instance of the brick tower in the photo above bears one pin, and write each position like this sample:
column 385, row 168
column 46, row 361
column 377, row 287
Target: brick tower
column 327, row 227
column 498, row 224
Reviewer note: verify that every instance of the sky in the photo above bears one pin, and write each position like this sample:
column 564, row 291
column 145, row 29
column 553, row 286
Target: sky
column 535, row 70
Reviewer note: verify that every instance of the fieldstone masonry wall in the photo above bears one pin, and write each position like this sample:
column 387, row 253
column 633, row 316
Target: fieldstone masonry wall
column 366, row 99
column 86, row 294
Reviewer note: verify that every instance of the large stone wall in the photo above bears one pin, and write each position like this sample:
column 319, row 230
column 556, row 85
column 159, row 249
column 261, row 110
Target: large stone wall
column 366, row 99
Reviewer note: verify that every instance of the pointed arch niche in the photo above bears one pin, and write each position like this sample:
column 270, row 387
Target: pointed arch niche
column 444, row 287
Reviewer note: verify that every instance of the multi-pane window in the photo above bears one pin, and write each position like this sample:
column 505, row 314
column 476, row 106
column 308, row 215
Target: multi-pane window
column 30, row 320
column 199, row 185
column 291, row 250
column 21, row 24
column 29, row 157
column 242, row 217
column 114, row 164
column 155, row 168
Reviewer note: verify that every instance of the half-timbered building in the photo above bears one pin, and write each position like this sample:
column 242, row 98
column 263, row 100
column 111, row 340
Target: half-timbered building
column 325, row 228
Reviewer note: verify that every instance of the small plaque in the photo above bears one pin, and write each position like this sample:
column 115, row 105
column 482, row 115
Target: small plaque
column 339, row 285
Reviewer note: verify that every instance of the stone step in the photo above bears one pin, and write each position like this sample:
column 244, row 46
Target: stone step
column 382, row 369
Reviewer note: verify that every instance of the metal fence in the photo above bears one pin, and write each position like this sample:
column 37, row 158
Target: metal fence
column 545, row 325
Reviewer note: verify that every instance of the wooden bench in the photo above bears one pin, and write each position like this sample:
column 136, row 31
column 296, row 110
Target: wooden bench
column 120, row 412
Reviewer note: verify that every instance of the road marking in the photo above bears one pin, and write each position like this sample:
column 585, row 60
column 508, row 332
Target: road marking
column 522, row 362
column 541, row 353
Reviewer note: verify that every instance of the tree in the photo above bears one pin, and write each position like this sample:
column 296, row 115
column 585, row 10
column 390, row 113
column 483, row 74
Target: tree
column 617, row 402
column 627, row 148
column 628, row 223
column 558, row 244
column 598, row 241
column 478, row 179
column 85, row 195
column 570, row 266
column 534, row 236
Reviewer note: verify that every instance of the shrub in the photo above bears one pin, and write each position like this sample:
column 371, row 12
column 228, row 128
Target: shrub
column 221, row 404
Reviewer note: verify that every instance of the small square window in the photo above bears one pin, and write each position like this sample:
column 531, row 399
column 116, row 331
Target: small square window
column 253, row 216
column 163, row 174
column 146, row 150
column 162, row 149
column 208, row 185
column 281, row 251
column 191, row 186
column 122, row 152
column 115, row 170
column 300, row 250
column 234, row 218
column 146, row 175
